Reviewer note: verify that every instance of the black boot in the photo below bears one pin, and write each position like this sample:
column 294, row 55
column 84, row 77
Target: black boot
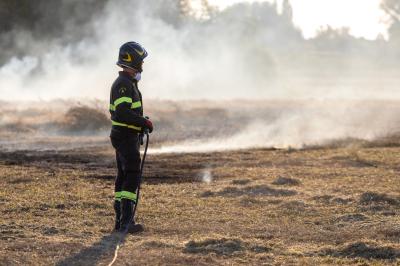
column 127, row 223
column 117, row 209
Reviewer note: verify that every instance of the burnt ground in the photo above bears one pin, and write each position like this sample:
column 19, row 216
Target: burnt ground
column 251, row 207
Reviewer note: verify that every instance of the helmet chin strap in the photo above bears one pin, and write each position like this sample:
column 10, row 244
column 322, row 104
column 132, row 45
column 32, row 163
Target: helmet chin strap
column 133, row 72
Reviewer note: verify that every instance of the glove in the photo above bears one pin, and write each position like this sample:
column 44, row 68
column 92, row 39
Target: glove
column 148, row 125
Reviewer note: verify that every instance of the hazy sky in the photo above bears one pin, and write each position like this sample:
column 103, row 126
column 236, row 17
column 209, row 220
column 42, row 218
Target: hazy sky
column 198, row 72
column 363, row 17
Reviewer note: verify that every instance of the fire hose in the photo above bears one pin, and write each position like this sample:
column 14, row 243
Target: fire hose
column 146, row 132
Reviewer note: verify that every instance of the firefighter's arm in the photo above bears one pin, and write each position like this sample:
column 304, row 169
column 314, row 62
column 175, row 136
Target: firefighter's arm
column 125, row 115
column 123, row 106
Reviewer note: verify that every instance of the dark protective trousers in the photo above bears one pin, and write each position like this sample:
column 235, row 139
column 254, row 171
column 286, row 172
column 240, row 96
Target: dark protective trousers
column 127, row 151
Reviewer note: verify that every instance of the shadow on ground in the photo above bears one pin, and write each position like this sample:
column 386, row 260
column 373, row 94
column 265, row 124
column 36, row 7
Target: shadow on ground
column 99, row 251
column 257, row 190
column 223, row 247
column 364, row 250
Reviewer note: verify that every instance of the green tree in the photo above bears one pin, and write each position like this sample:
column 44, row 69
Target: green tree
column 392, row 8
column 287, row 10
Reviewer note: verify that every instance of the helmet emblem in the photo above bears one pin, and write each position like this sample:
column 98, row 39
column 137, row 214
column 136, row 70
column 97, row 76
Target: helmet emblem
column 128, row 58
column 139, row 52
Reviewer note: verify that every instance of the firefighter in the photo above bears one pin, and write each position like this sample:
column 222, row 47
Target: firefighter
column 128, row 123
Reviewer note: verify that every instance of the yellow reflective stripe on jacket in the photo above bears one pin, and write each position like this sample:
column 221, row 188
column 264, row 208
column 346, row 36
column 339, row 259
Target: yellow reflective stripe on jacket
column 128, row 195
column 136, row 104
column 119, row 101
column 122, row 100
column 125, row 125
column 125, row 100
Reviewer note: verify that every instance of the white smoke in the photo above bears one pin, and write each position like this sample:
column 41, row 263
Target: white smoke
column 242, row 53
column 317, row 124
column 206, row 176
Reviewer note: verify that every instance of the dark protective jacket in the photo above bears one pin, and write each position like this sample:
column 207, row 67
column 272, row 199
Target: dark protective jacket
column 126, row 107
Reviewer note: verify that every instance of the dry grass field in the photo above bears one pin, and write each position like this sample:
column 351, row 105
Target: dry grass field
column 315, row 206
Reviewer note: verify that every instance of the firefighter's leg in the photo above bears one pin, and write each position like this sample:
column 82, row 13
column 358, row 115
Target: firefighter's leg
column 117, row 191
column 130, row 158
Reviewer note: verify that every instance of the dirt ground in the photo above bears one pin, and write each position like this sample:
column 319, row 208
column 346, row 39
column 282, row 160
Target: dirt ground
column 316, row 206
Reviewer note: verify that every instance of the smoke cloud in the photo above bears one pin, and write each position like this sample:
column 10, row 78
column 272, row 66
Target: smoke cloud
column 246, row 52
column 300, row 125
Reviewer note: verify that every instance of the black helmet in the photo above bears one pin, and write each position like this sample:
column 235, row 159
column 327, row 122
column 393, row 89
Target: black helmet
column 131, row 55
